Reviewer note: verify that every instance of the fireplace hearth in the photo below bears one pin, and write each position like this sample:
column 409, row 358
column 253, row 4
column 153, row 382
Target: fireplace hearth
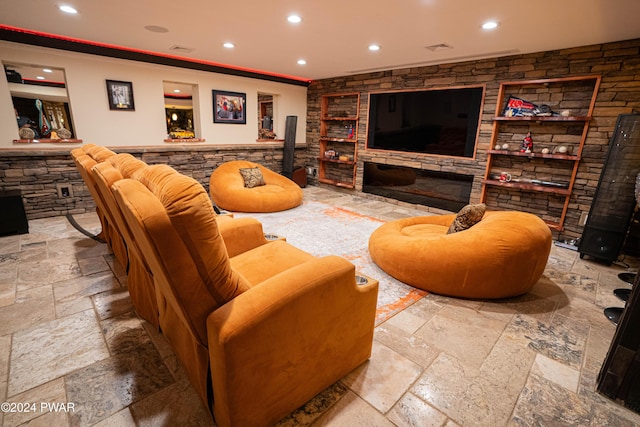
column 442, row 190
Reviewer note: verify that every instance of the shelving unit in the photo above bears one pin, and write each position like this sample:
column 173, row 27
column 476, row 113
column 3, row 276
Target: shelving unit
column 541, row 183
column 339, row 117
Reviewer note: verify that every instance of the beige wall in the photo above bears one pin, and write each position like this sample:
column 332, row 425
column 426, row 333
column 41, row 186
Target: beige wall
column 95, row 123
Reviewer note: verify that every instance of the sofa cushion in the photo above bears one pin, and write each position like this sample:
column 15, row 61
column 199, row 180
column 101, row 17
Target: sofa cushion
column 467, row 217
column 252, row 177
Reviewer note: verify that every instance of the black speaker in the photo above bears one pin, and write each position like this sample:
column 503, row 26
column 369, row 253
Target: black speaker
column 289, row 146
column 614, row 201
column 13, row 219
column 619, row 377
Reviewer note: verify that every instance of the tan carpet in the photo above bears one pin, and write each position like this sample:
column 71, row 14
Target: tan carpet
column 322, row 229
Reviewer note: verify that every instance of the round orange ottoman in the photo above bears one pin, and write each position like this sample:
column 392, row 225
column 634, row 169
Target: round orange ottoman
column 228, row 191
column 501, row 256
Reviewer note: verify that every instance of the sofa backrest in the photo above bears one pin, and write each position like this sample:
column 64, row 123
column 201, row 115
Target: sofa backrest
column 172, row 218
column 126, row 164
column 98, row 152
column 84, row 164
column 105, row 175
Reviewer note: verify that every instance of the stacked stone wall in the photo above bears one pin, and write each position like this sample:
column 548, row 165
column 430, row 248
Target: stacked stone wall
column 618, row 64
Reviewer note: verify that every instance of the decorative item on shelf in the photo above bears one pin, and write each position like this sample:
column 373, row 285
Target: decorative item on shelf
column 497, row 147
column 266, row 134
column 350, row 134
column 26, row 133
column 505, row 146
column 543, row 110
column 527, row 144
column 550, row 183
column 330, row 154
column 517, row 107
column 343, row 158
column 561, row 149
column 505, row 177
column 565, row 113
column 545, row 150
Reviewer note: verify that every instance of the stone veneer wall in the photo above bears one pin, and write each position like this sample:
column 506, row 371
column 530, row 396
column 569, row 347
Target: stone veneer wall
column 618, row 64
column 40, row 173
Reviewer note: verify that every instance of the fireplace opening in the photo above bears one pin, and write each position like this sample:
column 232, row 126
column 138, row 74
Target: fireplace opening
column 442, row 190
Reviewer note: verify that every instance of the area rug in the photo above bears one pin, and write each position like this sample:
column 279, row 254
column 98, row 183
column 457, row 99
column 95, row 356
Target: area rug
column 322, row 229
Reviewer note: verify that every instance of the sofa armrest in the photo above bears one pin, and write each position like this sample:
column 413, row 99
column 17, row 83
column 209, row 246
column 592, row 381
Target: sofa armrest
column 240, row 234
column 286, row 339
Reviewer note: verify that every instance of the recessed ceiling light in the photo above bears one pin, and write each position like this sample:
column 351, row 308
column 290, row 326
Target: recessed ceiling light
column 40, row 78
column 294, row 19
column 302, row 62
column 374, row 47
column 176, row 91
column 68, row 9
column 229, row 45
column 47, row 70
column 490, row 25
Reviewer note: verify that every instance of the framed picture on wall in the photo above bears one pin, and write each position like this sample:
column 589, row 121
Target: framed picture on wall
column 120, row 95
column 229, row 107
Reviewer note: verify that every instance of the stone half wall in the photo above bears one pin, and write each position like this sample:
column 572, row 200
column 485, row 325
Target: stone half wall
column 618, row 64
column 41, row 174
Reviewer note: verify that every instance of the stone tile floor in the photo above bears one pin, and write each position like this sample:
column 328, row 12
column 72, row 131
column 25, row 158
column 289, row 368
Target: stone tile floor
column 69, row 335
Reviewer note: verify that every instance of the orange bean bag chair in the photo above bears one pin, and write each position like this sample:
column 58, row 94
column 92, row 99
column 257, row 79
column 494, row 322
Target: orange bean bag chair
column 503, row 255
column 228, row 189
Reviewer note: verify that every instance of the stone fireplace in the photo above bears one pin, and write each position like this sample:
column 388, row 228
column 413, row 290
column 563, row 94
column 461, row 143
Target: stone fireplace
column 442, row 190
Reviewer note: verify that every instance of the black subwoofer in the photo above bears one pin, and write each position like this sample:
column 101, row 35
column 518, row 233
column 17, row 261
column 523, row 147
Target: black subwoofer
column 13, row 219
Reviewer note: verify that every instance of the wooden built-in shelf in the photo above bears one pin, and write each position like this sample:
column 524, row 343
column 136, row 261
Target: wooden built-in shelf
column 343, row 119
column 583, row 90
column 535, row 154
column 542, row 119
column 324, row 138
column 553, row 225
column 184, row 140
column 339, row 117
column 344, row 162
column 47, row 140
column 337, row 183
column 527, row 186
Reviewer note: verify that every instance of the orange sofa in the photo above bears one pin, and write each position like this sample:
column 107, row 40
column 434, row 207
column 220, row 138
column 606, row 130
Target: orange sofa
column 228, row 191
column 259, row 332
column 100, row 176
column 501, row 256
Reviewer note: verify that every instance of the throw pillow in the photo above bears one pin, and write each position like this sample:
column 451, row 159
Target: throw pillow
column 468, row 216
column 252, row 177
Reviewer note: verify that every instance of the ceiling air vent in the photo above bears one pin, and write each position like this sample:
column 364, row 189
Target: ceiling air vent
column 439, row 47
column 181, row 49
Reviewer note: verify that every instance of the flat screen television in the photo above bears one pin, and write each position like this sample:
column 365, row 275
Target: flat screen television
column 436, row 121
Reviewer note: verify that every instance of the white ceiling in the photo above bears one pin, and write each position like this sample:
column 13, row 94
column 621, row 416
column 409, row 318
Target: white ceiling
column 334, row 34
